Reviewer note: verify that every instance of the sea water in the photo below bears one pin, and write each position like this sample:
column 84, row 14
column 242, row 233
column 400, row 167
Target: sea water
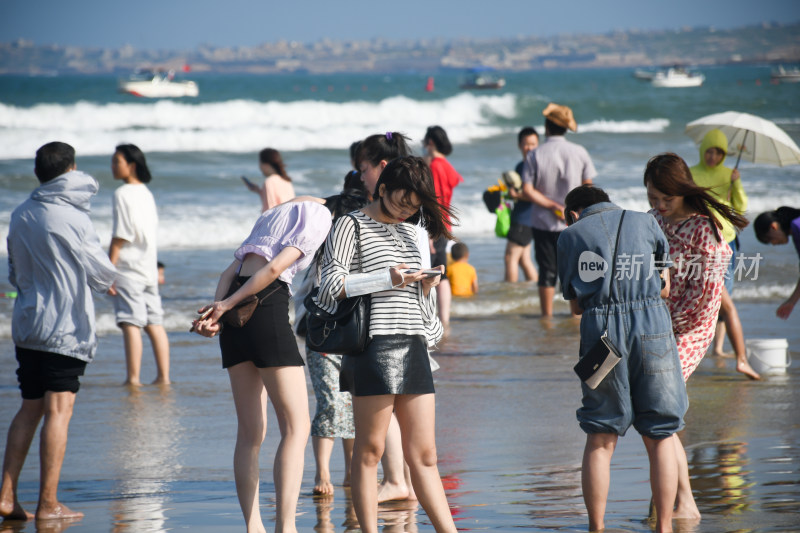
column 510, row 449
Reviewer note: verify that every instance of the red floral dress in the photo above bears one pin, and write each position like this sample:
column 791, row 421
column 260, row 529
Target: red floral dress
column 697, row 278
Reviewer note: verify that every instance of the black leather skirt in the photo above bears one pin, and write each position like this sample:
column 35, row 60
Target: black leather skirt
column 391, row 364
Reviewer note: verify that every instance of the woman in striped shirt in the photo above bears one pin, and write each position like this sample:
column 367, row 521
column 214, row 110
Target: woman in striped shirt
column 393, row 373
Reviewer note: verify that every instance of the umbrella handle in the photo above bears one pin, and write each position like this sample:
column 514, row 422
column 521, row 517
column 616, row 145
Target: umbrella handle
column 739, row 157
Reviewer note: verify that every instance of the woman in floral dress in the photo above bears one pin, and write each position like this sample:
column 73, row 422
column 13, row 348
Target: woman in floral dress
column 700, row 256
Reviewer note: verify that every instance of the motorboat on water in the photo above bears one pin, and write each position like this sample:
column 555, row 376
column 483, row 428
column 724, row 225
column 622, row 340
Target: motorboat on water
column 148, row 83
column 783, row 75
column 481, row 79
column 644, row 75
column 677, row 77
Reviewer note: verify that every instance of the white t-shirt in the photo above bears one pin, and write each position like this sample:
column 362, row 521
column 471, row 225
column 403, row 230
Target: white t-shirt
column 136, row 221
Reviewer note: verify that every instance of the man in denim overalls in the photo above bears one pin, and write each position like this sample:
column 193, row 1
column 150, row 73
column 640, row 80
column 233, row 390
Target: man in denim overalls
column 645, row 389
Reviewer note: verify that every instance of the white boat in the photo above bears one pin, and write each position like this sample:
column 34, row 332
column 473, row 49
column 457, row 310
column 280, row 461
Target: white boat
column 480, row 79
column 644, row 75
column 677, row 77
column 157, row 84
column 790, row 75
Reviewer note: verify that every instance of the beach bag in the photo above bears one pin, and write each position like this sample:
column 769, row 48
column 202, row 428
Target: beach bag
column 601, row 358
column 503, row 222
column 347, row 330
column 241, row 312
column 492, row 197
column 344, row 332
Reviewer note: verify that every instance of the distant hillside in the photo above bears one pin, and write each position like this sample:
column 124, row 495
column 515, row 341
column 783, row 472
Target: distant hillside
column 763, row 43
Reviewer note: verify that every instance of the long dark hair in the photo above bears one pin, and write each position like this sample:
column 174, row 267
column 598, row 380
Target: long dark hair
column 783, row 216
column 669, row 174
column 413, row 175
column 272, row 157
column 132, row 154
column 350, row 199
column 440, row 140
column 382, row 147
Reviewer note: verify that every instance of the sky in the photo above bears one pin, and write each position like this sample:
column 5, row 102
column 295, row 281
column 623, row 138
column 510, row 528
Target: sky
column 185, row 24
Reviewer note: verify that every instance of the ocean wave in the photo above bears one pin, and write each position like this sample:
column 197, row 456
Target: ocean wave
column 240, row 126
column 654, row 125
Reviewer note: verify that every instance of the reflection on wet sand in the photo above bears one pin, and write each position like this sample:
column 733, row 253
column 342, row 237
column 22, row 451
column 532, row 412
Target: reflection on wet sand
column 146, row 439
column 42, row 526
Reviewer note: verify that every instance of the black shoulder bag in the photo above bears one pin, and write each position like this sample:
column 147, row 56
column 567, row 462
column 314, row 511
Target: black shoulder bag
column 347, row 330
column 603, row 356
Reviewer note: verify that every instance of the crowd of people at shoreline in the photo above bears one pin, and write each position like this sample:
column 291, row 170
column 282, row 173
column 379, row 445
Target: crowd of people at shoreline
column 391, row 222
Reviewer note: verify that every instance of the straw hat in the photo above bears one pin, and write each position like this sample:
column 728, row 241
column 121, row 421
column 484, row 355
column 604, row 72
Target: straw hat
column 512, row 179
column 561, row 115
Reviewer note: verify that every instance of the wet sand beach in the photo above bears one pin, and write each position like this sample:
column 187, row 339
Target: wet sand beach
column 160, row 458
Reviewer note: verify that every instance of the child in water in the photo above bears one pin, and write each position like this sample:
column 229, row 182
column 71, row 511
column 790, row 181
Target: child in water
column 775, row 227
column 463, row 277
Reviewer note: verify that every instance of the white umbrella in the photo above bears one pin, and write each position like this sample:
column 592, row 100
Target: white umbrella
column 754, row 138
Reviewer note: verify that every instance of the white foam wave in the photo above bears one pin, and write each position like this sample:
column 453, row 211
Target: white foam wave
column 767, row 291
column 240, row 126
column 654, row 125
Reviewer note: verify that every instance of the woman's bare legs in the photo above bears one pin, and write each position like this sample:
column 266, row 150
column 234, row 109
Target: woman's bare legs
column 287, row 390
column 735, row 335
column 250, row 399
column 596, row 475
column 663, row 479
column 323, row 447
column 132, row 338
column 517, row 257
column 416, row 414
column 286, row 386
column 371, row 415
column 685, row 506
column 160, row 343
column 396, row 484
column 347, row 448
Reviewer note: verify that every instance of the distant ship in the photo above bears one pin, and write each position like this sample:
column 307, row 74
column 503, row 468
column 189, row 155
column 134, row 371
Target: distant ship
column 790, row 75
column 677, row 77
column 148, row 83
column 481, row 78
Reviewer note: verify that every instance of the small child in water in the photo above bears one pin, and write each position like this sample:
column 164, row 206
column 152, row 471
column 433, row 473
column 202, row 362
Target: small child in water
column 463, row 277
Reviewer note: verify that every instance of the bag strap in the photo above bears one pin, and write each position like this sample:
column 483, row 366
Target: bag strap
column 358, row 242
column 613, row 269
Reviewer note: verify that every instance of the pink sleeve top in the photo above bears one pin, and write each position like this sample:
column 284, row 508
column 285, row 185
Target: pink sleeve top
column 302, row 225
column 275, row 191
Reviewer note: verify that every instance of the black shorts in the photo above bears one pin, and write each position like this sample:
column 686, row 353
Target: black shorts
column 40, row 372
column 520, row 234
column 267, row 339
column 439, row 256
column 545, row 251
column 390, row 364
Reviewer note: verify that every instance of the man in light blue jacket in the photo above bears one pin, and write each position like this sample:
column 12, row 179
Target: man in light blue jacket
column 54, row 259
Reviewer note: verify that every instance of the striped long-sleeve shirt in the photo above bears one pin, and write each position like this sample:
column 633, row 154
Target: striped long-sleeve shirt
column 400, row 311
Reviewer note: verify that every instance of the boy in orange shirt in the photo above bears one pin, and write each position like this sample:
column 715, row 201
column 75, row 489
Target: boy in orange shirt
column 463, row 277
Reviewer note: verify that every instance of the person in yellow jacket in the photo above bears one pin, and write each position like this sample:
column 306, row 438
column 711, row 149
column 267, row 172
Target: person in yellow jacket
column 726, row 186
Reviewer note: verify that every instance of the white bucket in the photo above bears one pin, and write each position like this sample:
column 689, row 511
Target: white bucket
column 768, row 356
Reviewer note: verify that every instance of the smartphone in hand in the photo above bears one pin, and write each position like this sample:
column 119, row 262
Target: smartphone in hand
column 249, row 183
column 429, row 272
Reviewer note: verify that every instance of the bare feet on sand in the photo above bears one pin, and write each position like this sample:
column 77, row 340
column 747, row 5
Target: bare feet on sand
column 57, row 511
column 323, row 487
column 721, row 353
column 12, row 510
column 388, row 492
column 747, row 370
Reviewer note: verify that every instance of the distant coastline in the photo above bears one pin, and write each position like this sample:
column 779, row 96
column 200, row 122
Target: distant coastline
column 765, row 43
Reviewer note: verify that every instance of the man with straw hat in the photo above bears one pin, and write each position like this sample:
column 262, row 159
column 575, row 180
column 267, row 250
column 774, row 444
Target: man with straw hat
column 550, row 172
